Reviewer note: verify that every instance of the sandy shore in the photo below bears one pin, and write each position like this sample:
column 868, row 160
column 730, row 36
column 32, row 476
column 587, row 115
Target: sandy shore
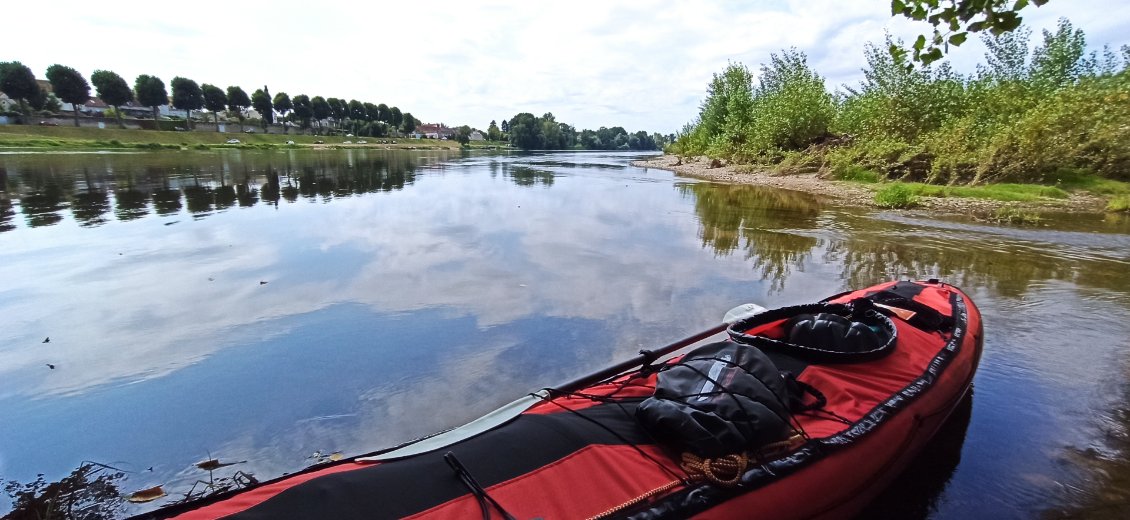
column 856, row 194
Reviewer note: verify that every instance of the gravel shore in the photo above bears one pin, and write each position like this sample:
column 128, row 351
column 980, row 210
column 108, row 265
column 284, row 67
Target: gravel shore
column 857, row 194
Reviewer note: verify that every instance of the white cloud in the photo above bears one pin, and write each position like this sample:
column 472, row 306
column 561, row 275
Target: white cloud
column 641, row 65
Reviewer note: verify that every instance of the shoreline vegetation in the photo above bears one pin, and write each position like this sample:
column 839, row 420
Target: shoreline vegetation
column 68, row 138
column 1033, row 129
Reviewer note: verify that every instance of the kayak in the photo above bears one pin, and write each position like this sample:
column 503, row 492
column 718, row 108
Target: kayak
column 806, row 411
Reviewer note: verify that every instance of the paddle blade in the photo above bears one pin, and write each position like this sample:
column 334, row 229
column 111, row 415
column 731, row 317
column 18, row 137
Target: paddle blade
column 742, row 312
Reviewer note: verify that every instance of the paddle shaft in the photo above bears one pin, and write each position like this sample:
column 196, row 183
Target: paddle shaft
column 646, row 356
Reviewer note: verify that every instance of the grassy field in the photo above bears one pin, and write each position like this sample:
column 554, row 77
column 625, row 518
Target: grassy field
column 28, row 136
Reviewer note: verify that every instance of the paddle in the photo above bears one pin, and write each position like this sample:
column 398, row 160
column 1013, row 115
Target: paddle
column 515, row 408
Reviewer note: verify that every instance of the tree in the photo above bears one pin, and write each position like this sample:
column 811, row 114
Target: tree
column 214, row 100
column 187, row 96
column 356, row 110
column 69, row 85
column 371, row 112
column 321, row 109
column 238, row 102
column 1059, row 61
column 409, row 123
column 493, row 133
column 525, row 131
column 463, row 135
column 953, row 20
column 283, row 104
column 383, row 113
column 339, row 109
column 113, row 90
column 303, row 109
column 396, row 118
column 17, row 81
column 261, row 101
column 150, row 91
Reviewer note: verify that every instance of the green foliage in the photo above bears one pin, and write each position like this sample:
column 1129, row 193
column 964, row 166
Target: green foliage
column 1006, row 192
column 238, row 100
column 953, row 20
column 150, row 91
column 215, row 100
column 396, row 117
column 18, row 82
column 68, row 84
column 463, row 135
column 261, row 102
column 1120, row 203
column 859, row 174
column 282, row 103
column 303, row 109
column 896, row 195
column 409, row 123
column 113, row 90
column 493, row 133
column 187, row 96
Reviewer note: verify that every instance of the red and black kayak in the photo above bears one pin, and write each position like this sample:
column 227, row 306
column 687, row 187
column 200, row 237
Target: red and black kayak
column 804, row 412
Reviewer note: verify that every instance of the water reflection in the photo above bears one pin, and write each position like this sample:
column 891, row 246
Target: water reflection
column 196, row 182
column 495, row 275
column 764, row 223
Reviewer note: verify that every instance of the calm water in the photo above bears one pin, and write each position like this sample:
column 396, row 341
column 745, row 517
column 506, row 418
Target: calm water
column 277, row 307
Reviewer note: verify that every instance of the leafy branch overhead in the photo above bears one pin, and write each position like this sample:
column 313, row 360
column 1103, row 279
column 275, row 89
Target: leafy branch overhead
column 953, row 20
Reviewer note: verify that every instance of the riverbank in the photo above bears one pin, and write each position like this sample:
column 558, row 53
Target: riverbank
column 850, row 193
column 51, row 137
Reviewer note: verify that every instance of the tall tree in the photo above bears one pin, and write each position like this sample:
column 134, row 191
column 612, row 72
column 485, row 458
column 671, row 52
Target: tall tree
column 371, row 112
column 150, row 91
column 303, row 109
column 395, row 117
column 356, row 110
column 321, row 109
column 409, row 123
column 383, row 113
column 283, row 105
column 525, row 131
column 463, row 134
column 113, row 90
column 238, row 102
column 505, row 126
column 493, row 133
column 69, row 85
column 214, row 100
column 18, row 82
column 187, row 96
column 261, row 101
column 339, row 109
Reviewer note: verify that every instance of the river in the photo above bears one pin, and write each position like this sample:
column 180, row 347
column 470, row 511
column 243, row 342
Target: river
column 277, row 308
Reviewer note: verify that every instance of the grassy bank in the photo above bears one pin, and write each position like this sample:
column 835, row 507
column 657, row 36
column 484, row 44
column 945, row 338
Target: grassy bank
column 27, row 136
column 1008, row 132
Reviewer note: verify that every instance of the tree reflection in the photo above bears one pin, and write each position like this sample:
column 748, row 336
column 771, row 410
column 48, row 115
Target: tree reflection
column 198, row 200
column 89, row 206
column 89, row 492
column 6, row 215
column 759, row 221
column 523, row 176
column 42, row 207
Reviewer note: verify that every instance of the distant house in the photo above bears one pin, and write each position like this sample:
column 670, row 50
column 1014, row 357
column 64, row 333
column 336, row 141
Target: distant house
column 434, row 131
column 477, row 136
column 93, row 107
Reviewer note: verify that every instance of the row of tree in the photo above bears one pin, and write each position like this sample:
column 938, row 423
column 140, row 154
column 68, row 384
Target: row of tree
column 1027, row 114
column 378, row 120
column 529, row 132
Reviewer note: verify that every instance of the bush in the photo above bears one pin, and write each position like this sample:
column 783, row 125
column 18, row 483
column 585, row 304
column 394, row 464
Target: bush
column 897, row 195
column 1119, row 203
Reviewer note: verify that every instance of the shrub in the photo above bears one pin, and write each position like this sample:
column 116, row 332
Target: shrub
column 1119, row 203
column 897, row 195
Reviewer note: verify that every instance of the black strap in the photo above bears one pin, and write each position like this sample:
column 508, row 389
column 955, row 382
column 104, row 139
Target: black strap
column 485, row 500
column 860, row 310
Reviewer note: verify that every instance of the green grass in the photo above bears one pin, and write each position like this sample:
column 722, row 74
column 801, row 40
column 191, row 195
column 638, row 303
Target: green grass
column 1001, row 192
column 1119, row 203
column 858, row 174
column 1082, row 181
column 896, row 195
column 31, row 136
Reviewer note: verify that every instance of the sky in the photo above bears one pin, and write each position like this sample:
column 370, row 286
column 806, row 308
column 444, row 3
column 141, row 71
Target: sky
column 643, row 65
